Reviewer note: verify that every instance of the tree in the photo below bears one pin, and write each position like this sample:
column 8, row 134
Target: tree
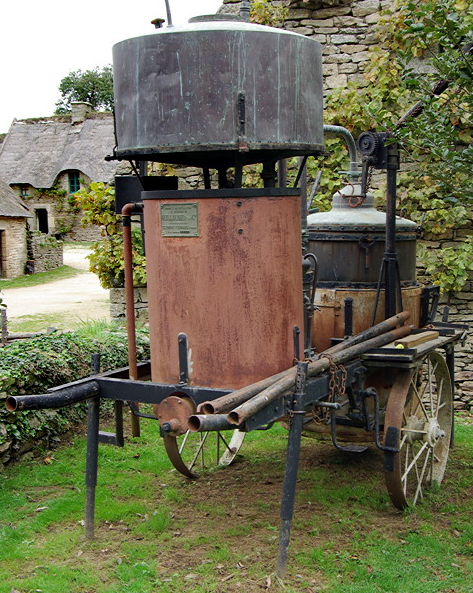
column 92, row 86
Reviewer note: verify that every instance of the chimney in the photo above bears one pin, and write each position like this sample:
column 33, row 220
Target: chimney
column 79, row 111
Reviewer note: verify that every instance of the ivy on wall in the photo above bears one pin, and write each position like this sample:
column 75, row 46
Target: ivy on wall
column 418, row 44
column 65, row 206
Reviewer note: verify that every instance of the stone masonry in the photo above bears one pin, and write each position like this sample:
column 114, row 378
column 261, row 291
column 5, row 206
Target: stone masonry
column 47, row 252
column 118, row 306
column 14, row 248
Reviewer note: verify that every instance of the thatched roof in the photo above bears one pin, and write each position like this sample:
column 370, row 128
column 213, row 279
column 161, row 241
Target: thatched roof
column 36, row 151
column 10, row 203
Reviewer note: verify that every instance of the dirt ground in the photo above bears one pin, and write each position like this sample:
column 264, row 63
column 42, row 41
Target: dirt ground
column 80, row 296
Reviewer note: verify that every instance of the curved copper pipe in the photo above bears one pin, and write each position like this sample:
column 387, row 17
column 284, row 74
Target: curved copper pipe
column 127, row 211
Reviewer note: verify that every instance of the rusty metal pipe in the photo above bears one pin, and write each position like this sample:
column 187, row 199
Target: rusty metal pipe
column 231, row 400
column 205, row 423
column 59, row 398
column 372, row 332
column 259, row 401
column 127, row 211
column 236, row 398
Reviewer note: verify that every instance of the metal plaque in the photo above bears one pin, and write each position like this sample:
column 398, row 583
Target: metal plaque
column 179, row 220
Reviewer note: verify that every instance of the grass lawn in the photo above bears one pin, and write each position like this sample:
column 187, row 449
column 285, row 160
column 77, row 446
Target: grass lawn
column 158, row 531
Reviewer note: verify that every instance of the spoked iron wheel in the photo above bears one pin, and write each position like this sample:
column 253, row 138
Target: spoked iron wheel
column 422, row 410
column 194, row 452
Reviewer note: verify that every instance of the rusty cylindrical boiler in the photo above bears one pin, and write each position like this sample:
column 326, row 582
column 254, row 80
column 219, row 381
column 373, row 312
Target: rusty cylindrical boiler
column 223, row 265
column 349, row 243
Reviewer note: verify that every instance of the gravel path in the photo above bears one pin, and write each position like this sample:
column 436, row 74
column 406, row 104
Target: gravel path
column 81, row 296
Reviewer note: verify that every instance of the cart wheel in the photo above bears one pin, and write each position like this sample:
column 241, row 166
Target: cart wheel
column 194, row 452
column 422, row 411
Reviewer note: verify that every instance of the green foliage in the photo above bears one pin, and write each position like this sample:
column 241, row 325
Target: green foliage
column 265, row 12
column 106, row 259
column 440, row 139
column 449, row 266
column 98, row 204
column 33, row 366
column 92, row 86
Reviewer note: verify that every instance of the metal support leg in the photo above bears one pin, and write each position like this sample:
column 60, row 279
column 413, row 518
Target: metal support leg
column 120, row 439
column 91, row 464
column 292, row 462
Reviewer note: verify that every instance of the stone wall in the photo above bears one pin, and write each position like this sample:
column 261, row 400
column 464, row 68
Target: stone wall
column 47, row 252
column 118, row 306
column 460, row 310
column 345, row 31
column 13, row 246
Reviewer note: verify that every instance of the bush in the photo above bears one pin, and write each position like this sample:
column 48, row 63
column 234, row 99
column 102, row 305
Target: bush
column 33, row 366
column 106, row 259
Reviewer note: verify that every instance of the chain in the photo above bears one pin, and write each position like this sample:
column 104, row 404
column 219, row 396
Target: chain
column 336, row 389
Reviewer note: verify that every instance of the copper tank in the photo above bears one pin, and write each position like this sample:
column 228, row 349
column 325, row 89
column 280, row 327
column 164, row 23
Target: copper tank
column 202, row 93
column 349, row 243
column 224, row 267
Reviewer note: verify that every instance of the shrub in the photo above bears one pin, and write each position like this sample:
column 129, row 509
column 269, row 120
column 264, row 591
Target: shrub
column 33, row 366
column 106, row 259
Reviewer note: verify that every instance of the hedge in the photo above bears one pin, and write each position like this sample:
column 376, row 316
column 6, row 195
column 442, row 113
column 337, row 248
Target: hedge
column 32, row 366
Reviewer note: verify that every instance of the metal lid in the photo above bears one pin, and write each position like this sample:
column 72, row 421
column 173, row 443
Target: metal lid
column 351, row 212
column 215, row 22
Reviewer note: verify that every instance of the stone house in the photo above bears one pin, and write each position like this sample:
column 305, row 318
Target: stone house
column 45, row 161
column 13, row 227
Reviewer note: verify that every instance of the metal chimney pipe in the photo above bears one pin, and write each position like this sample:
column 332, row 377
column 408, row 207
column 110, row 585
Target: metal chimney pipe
column 245, row 8
column 168, row 13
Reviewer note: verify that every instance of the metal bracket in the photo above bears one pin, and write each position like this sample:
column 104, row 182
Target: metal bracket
column 391, row 435
column 390, row 449
column 333, row 432
column 429, row 303
column 183, row 363
column 241, row 114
